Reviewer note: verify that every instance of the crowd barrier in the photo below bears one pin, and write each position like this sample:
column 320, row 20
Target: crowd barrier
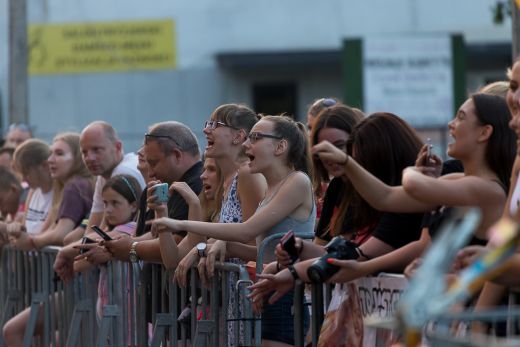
column 136, row 299
column 144, row 304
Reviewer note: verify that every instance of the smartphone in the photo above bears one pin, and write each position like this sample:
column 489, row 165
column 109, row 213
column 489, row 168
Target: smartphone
column 85, row 240
column 288, row 243
column 161, row 192
column 101, row 233
column 429, row 146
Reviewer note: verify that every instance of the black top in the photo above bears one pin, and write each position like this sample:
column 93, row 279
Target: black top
column 398, row 229
column 177, row 207
column 394, row 229
column 331, row 201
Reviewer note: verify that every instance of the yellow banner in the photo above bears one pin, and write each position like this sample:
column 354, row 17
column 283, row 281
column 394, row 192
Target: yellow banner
column 101, row 47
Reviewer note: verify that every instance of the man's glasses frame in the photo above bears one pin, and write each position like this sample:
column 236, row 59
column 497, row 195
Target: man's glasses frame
column 159, row 136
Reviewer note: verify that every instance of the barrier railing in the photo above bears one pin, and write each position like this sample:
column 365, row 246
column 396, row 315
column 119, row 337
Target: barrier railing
column 143, row 305
column 68, row 311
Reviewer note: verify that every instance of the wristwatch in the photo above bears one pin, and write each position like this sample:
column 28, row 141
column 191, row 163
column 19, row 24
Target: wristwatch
column 133, row 252
column 201, row 249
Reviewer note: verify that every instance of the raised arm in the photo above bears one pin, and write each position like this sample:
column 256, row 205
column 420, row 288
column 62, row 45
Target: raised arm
column 377, row 193
column 291, row 195
column 465, row 191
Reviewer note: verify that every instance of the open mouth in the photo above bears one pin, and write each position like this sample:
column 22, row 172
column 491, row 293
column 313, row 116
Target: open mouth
column 206, row 187
column 210, row 142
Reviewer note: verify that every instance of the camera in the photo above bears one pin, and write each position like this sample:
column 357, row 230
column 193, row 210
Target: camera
column 161, row 192
column 338, row 248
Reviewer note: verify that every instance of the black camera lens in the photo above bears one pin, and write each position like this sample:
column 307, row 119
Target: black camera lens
column 338, row 248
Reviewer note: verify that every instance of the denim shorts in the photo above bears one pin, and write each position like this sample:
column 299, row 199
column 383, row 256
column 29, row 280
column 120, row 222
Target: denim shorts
column 278, row 320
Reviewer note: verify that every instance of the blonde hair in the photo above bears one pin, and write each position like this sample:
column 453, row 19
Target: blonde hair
column 498, row 88
column 78, row 169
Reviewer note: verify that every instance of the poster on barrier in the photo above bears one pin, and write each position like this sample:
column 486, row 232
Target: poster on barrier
column 375, row 297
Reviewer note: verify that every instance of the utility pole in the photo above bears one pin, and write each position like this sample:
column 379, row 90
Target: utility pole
column 17, row 107
column 515, row 25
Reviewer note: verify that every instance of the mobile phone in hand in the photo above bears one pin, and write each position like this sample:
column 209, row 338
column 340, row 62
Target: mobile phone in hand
column 288, row 243
column 101, row 233
column 161, row 192
column 428, row 158
column 85, row 240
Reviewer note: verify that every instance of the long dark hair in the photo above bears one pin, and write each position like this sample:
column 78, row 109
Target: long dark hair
column 385, row 145
column 501, row 148
column 339, row 117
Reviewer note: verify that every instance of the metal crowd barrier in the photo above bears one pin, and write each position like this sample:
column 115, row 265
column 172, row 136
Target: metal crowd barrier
column 143, row 304
column 27, row 279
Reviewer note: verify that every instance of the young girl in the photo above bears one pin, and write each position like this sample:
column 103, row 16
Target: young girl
column 120, row 197
column 277, row 148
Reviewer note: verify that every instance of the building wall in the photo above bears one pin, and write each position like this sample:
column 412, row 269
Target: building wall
column 204, row 28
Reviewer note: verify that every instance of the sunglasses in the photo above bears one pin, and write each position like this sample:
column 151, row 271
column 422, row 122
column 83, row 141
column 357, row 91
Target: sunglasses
column 255, row 136
column 213, row 124
column 157, row 136
column 21, row 126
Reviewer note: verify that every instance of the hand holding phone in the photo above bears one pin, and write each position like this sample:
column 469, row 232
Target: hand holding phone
column 161, row 192
column 101, row 233
column 85, row 240
column 429, row 147
column 288, row 243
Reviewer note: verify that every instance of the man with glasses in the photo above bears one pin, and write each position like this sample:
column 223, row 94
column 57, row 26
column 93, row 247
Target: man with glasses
column 16, row 134
column 172, row 153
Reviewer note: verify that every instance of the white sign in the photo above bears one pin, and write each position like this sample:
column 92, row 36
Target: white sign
column 411, row 77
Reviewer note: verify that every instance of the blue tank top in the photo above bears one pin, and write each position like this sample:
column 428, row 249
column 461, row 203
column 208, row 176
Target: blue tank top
column 286, row 224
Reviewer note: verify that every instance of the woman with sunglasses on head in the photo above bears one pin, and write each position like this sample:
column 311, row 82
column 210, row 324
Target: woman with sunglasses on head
column 278, row 149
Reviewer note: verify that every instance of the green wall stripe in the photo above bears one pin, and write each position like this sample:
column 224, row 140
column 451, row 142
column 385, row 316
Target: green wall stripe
column 458, row 50
column 352, row 65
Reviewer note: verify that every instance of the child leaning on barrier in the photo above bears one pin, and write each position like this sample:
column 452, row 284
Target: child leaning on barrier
column 73, row 188
column 30, row 161
column 120, row 198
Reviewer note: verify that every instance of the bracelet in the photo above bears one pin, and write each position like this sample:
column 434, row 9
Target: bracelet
column 293, row 272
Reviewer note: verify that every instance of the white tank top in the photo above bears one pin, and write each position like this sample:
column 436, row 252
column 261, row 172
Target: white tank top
column 515, row 199
column 37, row 211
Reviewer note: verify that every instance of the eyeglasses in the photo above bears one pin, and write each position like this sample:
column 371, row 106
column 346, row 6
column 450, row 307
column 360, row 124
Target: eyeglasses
column 255, row 136
column 158, row 136
column 213, row 124
column 325, row 102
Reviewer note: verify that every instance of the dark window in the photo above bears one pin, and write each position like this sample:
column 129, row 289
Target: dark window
column 274, row 98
